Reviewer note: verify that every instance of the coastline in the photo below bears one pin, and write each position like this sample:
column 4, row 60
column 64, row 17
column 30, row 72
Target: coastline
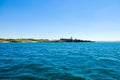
column 41, row 40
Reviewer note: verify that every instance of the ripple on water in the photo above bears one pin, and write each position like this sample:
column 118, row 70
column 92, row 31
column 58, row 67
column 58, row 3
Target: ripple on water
column 63, row 76
column 59, row 61
column 103, row 73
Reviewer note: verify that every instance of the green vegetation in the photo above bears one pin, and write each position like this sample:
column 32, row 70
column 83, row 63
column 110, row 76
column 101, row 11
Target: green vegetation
column 43, row 40
column 24, row 40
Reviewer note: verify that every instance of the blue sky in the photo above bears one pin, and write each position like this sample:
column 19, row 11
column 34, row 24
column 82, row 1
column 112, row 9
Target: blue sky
column 84, row 19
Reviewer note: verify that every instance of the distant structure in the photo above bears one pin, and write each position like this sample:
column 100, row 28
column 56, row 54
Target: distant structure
column 73, row 40
column 66, row 40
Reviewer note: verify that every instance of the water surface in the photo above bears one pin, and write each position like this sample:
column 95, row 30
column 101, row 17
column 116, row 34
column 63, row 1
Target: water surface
column 60, row 61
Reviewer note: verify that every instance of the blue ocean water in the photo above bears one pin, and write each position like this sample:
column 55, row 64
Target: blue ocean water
column 60, row 61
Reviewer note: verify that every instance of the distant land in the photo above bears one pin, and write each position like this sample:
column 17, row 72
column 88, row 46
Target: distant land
column 43, row 40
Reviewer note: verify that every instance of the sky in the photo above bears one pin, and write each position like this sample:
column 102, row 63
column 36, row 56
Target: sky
column 97, row 20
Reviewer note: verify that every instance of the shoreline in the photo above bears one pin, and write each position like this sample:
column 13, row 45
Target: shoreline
column 24, row 40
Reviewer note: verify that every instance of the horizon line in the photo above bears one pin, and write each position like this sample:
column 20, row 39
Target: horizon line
column 67, row 38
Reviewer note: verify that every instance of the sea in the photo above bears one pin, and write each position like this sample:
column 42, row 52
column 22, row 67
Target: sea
column 60, row 61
